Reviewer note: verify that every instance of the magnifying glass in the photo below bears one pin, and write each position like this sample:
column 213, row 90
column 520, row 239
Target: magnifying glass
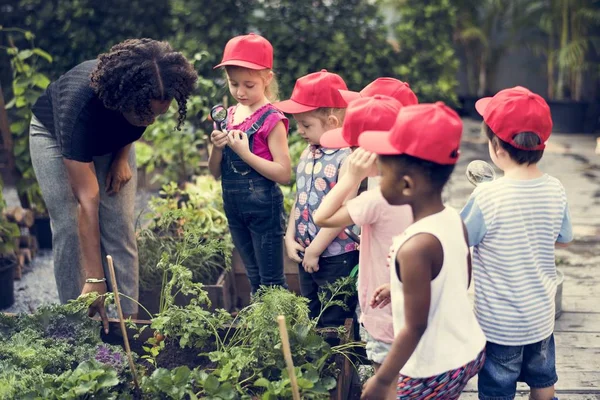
column 479, row 171
column 352, row 235
column 219, row 114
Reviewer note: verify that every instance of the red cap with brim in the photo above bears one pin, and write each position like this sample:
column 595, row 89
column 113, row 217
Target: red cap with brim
column 334, row 139
column 241, row 63
column 378, row 142
column 292, row 107
column 349, row 95
column 481, row 105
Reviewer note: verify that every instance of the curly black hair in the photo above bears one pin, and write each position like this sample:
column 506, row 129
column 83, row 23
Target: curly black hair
column 137, row 71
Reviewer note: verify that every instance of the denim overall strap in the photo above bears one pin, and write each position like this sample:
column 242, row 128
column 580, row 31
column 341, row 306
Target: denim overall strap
column 232, row 165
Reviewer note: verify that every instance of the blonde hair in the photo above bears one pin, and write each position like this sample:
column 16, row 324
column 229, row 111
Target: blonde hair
column 271, row 90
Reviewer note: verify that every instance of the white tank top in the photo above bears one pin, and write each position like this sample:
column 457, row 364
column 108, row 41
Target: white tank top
column 453, row 337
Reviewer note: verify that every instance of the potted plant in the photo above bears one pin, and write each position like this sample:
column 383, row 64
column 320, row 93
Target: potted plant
column 567, row 34
column 9, row 234
column 187, row 227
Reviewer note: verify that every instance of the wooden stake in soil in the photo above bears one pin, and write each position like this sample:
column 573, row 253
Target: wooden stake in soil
column 287, row 354
column 113, row 279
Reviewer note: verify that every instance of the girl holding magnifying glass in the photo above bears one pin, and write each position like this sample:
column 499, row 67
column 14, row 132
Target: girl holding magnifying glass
column 251, row 157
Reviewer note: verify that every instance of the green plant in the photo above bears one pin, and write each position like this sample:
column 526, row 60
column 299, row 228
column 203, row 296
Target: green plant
column 568, row 35
column 338, row 35
column 90, row 380
column 177, row 155
column 426, row 58
column 486, row 30
column 9, row 231
column 27, row 85
column 188, row 227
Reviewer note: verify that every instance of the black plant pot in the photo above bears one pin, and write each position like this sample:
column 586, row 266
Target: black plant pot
column 43, row 232
column 7, row 281
column 568, row 116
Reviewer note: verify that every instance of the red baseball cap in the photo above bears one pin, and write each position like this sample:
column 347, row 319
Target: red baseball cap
column 316, row 90
column 375, row 113
column 249, row 51
column 516, row 110
column 430, row 132
column 392, row 87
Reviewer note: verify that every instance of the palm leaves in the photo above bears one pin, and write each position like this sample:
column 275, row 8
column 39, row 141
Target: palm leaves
column 566, row 32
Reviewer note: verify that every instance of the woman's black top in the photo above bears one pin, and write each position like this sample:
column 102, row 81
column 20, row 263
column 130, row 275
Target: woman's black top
column 83, row 127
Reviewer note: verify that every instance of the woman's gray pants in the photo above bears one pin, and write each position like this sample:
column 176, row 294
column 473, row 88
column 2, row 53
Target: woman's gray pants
column 116, row 217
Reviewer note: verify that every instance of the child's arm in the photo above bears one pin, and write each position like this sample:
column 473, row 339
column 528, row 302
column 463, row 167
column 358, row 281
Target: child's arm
column 332, row 212
column 418, row 258
column 325, row 235
column 292, row 247
column 473, row 219
column 280, row 169
column 219, row 141
column 565, row 236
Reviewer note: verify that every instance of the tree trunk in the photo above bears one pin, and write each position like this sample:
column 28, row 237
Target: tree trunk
column 482, row 76
column 564, row 41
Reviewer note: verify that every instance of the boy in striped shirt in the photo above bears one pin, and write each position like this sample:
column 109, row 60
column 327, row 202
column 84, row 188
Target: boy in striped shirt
column 514, row 224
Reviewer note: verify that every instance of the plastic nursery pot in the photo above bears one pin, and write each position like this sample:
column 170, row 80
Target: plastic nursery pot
column 7, row 288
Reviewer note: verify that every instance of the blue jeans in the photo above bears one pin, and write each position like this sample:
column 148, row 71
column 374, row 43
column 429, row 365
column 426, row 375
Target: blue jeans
column 330, row 270
column 254, row 210
column 533, row 364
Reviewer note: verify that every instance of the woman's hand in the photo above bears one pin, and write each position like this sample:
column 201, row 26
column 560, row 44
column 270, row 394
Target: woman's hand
column 118, row 175
column 97, row 306
column 238, row 142
column 219, row 139
column 382, row 296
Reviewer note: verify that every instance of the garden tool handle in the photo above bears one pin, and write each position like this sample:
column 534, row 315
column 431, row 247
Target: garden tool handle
column 115, row 288
column 287, row 354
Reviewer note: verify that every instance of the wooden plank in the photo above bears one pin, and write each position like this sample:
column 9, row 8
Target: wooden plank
column 572, row 381
column 578, row 322
column 588, row 304
column 580, row 340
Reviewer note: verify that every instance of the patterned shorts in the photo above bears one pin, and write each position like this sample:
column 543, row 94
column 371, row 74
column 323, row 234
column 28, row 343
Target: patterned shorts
column 447, row 386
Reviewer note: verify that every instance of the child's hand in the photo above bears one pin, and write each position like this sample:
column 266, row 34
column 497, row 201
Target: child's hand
column 382, row 296
column 238, row 142
column 360, row 163
column 292, row 249
column 218, row 139
column 374, row 389
column 310, row 261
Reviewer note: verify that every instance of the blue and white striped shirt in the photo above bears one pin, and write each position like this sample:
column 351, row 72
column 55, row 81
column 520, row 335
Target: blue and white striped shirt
column 513, row 226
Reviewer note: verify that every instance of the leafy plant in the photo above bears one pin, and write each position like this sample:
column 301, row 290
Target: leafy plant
column 568, row 35
column 188, row 227
column 27, row 85
column 426, row 58
column 177, row 155
column 9, row 231
column 90, row 380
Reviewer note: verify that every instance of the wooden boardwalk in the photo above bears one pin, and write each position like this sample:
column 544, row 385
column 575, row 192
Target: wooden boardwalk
column 577, row 331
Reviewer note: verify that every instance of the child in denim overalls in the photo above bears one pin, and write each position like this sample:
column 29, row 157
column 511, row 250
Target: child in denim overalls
column 250, row 158
column 328, row 254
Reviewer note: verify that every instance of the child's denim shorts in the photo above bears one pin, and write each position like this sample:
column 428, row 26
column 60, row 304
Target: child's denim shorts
column 533, row 364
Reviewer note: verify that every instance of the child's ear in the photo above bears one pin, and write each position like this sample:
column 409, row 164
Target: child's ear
column 408, row 185
column 268, row 78
column 333, row 122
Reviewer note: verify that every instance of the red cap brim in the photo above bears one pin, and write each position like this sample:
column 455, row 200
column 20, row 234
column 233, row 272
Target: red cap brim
column 377, row 142
column 349, row 95
column 334, row 139
column 240, row 63
column 481, row 105
column 291, row 107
